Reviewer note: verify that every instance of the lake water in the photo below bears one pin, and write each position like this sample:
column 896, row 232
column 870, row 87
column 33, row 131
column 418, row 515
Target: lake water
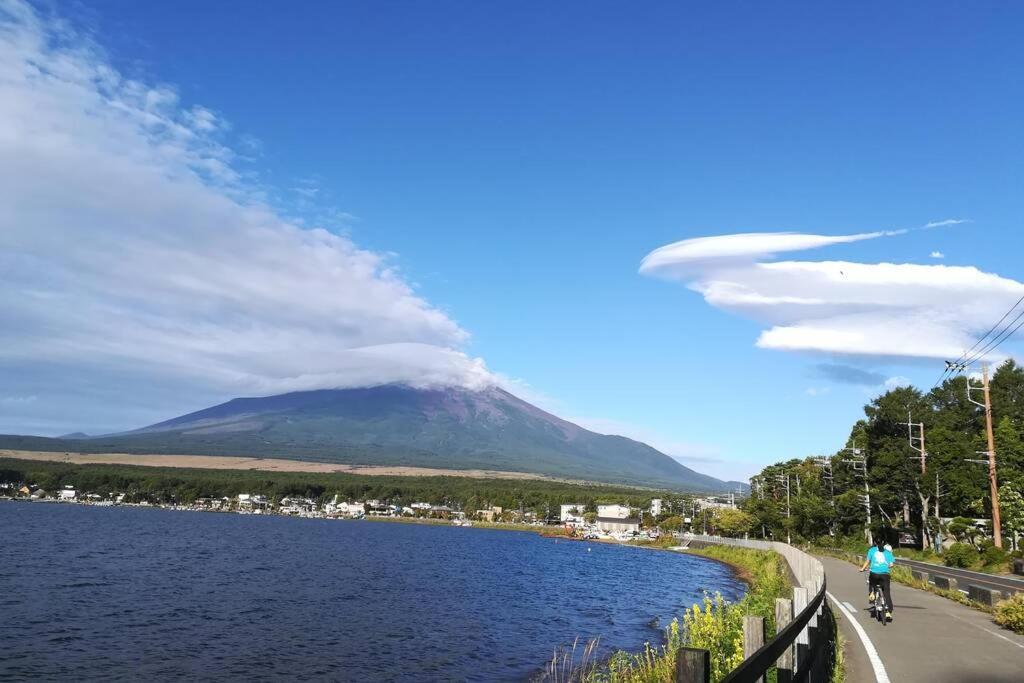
column 130, row 593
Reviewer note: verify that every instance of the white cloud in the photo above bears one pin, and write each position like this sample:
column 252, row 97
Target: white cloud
column 678, row 258
column 18, row 400
column 817, row 391
column 128, row 239
column 839, row 307
column 897, row 382
column 948, row 221
column 937, row 255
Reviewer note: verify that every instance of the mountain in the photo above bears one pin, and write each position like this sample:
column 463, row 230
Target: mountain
column 398, row 425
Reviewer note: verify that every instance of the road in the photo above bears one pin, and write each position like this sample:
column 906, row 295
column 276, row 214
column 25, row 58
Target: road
column 931, row 639
column 964, row 577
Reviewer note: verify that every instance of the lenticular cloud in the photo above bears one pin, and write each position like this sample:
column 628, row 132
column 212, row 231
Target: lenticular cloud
column 129, row 240
column 838, row 307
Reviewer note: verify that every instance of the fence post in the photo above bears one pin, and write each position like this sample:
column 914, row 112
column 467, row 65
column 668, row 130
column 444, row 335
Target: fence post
column 693, row 666
column 753, row 638
column 784, row 615
column 802, row 639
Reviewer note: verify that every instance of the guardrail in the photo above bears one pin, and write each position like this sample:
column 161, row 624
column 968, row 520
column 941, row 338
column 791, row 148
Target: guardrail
column 803, row 647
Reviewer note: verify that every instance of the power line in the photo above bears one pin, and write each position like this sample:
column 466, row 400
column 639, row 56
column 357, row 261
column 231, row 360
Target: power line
column 962, row 362
column 1003, row 336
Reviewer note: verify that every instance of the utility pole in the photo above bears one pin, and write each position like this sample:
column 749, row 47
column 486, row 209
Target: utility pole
column 784, row 479
column 825, row 465
column 917, row 444
column 997, row 532
column 859, row 462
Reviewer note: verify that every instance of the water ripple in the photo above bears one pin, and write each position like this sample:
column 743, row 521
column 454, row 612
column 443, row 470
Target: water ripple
column 129, row 593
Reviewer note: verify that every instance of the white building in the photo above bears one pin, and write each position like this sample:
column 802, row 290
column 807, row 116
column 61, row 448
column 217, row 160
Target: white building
column 67, row 493
column 572, row 513
column 252, row 502
column 614, row 525
column 352, row 509
column 656, row 506
column 613, row 511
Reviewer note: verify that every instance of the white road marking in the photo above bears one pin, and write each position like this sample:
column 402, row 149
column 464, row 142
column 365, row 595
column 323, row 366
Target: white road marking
column 997, row 635
column 850, row 607
column 876, row 662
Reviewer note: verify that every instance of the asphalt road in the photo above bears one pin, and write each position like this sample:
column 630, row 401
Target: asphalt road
column 965, row 577
column 931, row 639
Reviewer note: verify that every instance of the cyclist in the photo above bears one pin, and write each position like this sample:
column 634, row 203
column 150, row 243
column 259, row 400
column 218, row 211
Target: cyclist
column 879, row 560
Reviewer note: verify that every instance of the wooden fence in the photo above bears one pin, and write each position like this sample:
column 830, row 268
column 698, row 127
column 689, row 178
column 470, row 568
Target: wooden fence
column 803, row 648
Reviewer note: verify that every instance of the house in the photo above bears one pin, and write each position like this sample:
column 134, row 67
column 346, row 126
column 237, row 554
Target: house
column 253, row 502
column 442, row 511
column 354, row 510
column 25, row 490
column 572, row 514
column 38, row 494
column 376, row 508
column 67, row 493
column 490, row 514
column 295, row 505
column 614, row 525
column 421, row 507
column 656, row 506
column 715, row 502
column 613, row 511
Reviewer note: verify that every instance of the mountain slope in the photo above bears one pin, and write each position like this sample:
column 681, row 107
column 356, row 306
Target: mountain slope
column 397, row 425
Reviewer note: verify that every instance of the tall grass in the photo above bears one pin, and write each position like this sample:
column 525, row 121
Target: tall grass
column 715, row 625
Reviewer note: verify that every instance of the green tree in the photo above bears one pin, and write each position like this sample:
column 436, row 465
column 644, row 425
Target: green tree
column 1011, row 508
column 730, row 522
column 674, row 523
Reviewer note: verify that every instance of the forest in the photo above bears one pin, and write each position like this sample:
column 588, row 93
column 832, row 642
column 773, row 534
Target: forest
column 184, row 485
column 881, row 472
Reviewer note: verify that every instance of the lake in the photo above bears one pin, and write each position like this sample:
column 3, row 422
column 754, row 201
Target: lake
column 130, row 593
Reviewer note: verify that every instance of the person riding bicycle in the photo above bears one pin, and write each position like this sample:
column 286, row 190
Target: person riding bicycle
column 879, row 559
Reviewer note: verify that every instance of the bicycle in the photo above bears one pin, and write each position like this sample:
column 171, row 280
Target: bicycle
column 879, row 605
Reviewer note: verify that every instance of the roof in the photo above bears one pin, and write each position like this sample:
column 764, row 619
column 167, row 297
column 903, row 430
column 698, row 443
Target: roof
column 617, row 520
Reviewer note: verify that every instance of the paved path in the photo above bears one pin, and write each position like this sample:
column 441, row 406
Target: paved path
column 931, row 639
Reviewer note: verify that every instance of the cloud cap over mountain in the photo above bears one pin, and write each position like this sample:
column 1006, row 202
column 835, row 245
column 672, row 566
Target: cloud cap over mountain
column 128, row 240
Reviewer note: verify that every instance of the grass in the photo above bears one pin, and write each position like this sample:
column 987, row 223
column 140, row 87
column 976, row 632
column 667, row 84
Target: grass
column 839, row 668
column 715, row 625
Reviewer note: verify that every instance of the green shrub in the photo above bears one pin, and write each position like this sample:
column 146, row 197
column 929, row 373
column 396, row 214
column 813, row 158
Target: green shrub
column 1010, row 613
column 718, row 628
column 961, row 555
column 993, row 556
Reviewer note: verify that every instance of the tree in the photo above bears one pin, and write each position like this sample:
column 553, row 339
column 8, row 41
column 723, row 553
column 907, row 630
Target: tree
column 730, row 522
column 1011, row 502
column 674, row 523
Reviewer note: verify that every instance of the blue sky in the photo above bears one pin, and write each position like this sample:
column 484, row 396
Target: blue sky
column 517, row 161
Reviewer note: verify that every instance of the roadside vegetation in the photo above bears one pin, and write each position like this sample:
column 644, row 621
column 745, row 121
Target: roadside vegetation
column 715, row 625
column 822, row 500
column 1010, row 613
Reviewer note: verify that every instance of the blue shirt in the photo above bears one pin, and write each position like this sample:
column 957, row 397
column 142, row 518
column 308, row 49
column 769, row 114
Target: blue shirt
column 879, row 560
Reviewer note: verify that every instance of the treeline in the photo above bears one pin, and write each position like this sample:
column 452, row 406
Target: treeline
column 182, row 486
column 827, row 494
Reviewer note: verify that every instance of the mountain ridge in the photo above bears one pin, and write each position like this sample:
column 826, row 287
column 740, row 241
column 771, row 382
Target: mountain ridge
column 446, row 428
